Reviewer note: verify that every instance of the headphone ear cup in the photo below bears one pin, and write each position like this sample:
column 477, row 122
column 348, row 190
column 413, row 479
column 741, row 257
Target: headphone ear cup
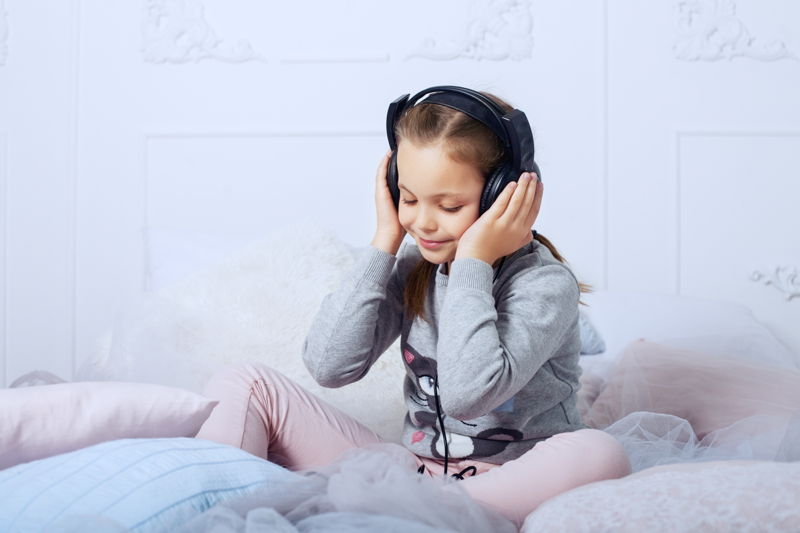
column 495, row 185
column 391, row 179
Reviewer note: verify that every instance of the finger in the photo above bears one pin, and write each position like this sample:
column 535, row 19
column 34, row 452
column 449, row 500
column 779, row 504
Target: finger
column 381, row 174
column 499, row 206
column 517, row 198
column 530, row 196
column 384, row 163
column 537, row 203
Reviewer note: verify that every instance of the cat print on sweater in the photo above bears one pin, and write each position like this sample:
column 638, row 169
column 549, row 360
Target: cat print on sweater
column 424, row 395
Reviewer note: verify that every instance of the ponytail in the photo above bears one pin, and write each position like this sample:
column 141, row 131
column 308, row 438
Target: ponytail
column 583, row 287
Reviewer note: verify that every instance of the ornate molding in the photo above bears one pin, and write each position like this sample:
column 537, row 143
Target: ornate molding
column 176, row 31
column 3, row 33
column 711, row 31
column 785, row 279
column 503, row 30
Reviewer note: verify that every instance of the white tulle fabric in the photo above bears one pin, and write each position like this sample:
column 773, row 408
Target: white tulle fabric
column 669, row 405
column 375, row 488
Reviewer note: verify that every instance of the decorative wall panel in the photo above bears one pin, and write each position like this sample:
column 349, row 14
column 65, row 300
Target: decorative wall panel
column 176, row 31
column 710, row 30
column 500, row 31
column 785, row 279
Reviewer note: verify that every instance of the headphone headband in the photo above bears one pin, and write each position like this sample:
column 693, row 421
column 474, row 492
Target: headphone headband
column 511, row 128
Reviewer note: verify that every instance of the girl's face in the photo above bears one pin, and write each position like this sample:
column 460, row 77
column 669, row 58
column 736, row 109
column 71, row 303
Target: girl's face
column 439, row 198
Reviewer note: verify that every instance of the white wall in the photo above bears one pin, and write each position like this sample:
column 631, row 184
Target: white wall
column 135, row 136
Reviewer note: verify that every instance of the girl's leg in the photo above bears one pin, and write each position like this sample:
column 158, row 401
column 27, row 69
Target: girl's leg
column 265, row 413
column 558, row 464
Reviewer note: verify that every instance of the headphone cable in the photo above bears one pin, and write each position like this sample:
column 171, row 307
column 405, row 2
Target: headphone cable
column 441, row 420
column 439, row 407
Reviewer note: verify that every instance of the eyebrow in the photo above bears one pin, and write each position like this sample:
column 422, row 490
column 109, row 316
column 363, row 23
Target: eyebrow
column 440, row 195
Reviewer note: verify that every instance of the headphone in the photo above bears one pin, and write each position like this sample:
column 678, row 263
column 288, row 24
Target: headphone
column 511, row 128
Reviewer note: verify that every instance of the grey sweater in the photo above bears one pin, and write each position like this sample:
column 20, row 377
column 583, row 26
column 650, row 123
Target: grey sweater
column 505, row 353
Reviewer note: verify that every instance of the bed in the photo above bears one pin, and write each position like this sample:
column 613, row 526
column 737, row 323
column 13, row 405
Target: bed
column 705, row 399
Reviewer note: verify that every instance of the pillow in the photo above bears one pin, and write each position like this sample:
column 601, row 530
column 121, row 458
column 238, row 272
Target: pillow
column 591, row 341
column 139, row 484
column 704, row 325
column 712, row 496
column 711, row 392
column 45, row 420
column 255, row 306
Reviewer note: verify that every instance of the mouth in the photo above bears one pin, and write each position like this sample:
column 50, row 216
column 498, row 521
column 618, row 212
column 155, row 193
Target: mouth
column 431, row 244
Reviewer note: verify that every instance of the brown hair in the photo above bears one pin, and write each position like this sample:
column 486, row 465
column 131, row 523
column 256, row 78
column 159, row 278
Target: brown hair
column 467, row 141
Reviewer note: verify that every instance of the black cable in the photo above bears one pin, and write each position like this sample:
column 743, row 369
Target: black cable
column 460, row 475
column 441, row 420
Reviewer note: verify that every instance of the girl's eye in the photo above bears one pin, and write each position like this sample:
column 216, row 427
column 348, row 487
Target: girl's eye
column 448, row 209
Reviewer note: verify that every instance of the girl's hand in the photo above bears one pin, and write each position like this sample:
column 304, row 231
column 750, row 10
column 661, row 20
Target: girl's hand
column 389, row 233
column 506, row 226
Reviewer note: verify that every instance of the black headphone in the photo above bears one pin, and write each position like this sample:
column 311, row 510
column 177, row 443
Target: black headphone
column 512, row 128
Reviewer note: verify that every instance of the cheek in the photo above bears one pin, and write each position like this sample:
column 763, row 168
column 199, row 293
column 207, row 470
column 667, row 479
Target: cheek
column 404, row 217
column 466, row 221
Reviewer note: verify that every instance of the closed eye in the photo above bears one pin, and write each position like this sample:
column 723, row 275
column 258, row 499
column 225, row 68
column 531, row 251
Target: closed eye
column 448, row 209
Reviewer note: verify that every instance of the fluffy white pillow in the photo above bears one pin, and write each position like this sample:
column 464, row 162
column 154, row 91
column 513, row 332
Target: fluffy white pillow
column 255, row 306
column 38, row 422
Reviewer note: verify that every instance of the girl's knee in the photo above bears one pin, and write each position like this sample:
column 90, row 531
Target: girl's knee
column 609, row 458
column 241, row 375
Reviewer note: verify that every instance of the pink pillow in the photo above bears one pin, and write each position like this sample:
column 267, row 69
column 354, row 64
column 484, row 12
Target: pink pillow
column 41, row 421
column 710, row 391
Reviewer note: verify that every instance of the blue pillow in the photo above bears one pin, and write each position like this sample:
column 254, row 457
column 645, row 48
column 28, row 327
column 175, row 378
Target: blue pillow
column 591, row 341
column 140, row 484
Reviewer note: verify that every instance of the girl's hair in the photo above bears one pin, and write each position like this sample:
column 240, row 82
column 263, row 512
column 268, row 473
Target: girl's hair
column 466, row 141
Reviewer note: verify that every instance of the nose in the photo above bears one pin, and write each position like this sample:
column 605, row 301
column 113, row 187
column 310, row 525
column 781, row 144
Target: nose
column 426, row 220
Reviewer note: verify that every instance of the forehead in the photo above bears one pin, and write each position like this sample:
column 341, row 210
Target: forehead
column 445, row 194
column 430, row 172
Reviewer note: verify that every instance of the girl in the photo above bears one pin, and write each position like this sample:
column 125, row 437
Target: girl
column 487, row 313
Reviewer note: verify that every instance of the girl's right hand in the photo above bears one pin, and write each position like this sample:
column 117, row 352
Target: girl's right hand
column 389, row 231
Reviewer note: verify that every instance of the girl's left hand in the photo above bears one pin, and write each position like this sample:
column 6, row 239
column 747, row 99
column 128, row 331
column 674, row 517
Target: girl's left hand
column 506, row 226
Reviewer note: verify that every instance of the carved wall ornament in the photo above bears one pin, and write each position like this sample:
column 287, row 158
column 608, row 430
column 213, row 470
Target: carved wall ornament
column 711, row 31
column 176, row 31
column 785, row 279
column 503, row 30
column 3, row 33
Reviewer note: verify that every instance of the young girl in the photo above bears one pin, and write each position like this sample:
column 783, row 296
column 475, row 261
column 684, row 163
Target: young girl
column 487, row 313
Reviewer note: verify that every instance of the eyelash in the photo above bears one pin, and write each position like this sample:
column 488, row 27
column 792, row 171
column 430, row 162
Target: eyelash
column 448, row 209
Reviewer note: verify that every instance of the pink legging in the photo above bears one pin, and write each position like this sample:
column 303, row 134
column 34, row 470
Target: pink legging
column 267, row 414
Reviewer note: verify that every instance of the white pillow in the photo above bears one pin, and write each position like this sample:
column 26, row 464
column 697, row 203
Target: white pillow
column 255, row 306
column 711, row 326
column 591, row 341
column 37, row 422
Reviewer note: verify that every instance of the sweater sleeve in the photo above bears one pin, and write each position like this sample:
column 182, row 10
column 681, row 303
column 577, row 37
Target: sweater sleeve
column 356, row 323
column 487, row 351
